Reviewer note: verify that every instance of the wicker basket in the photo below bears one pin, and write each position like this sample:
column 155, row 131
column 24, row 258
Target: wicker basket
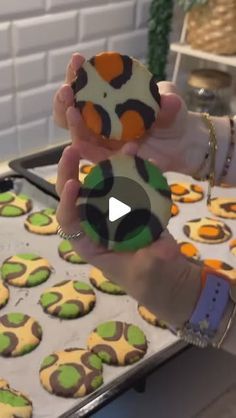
column 212, row 27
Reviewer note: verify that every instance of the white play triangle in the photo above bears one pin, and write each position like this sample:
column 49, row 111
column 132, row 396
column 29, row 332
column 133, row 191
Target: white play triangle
column 117, row 209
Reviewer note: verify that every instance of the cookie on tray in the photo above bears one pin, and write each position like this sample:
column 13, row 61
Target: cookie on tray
column 174, row 210
column 118, row 343
column 149, row 317
column 186, row 192
column 42, row 222
column 14, row 404
column 4, row 294
column 71, row 373
column 221, row 266
column 19, row 334
column 189, row 250
column 12, row 205
column 207, row 230
column 25, row 270
column 99, row 281
column 67, row 253
column 69, row 299
column 223, row 207
column 117, row 96
column 232, row 246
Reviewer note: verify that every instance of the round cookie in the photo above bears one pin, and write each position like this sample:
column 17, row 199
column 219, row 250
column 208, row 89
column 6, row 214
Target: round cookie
column 232, row 246
column 189, row 250
column 71, row 373
column 42, row 222
column 25, row 270
column 85, row 167
column 118, row 343
column 223, row 207
column 186, row 192
column 117, row 96
column 69, row 299
column 13, row 404
column 142, row 187
column 174, row 210
column 222, row 267
column 99, row 281
column 149, row 317
column 19, row 334
column 12, row 205
column 207, row 230
column 66, row 251
column 4, row 294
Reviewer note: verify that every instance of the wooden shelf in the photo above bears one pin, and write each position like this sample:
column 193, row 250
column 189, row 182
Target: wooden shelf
column 185, row 49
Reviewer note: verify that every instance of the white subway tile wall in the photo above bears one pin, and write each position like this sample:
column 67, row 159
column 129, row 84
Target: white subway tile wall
column 37, row 39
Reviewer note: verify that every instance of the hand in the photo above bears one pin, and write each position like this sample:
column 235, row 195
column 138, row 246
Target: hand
column 170, row 142
column 157, row 276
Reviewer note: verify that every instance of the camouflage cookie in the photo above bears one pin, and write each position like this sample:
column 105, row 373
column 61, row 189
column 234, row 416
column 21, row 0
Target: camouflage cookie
column 150, row 317
column 19, row 334
column 66, row 251
column 72, row 373
column 223, row 207
column 13, row 404
column 118, row 343
column 222, row 267
column 43, row 222
column 69, row 299
column 25, row 270
column 186, row 192
column 232, row 246
column 189, row 250
column 99, row 281
column 12, row 205
column 207, row 230
column 4, row 294
column 84, row 169
column 174, row 210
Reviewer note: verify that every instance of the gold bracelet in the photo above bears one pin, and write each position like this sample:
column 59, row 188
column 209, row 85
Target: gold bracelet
column 230, row 151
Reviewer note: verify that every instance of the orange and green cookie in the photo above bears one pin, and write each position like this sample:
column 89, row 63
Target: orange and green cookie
column 99, row 281
column 66, row 251
column 25, row 270
column 69, row 299
column 19, row 334
column 12, row 205
column 232, row 246
column 223, row 207
column 117, row 96
column 118, row 343
column 42, row 222
column 186, row 192
column 149, row 317
column 13, row 404
column 4, row 294
column 72, row 373
column 189, row 250
column 207, row 230
column 222, row 267
column 84, row 169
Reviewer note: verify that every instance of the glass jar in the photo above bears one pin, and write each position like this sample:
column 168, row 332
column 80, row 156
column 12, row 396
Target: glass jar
column 209, row 91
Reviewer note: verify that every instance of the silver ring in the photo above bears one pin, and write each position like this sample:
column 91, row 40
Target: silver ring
column 63, row 235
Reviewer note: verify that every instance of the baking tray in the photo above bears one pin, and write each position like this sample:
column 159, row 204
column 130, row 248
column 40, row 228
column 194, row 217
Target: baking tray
column 22, row 372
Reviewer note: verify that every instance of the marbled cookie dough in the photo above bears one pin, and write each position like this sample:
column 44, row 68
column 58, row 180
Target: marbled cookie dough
column 13, row 404
column 149, row 317
column 25, row 270
column 19, row 334
column 207, row 230
column 118, row 343
column 189, row 250
column 223, row 207
column 42, row 222
column 4, row 294
column 117, row 96
column 186, row 192
column 99, row 281
column 71, row 373
column 12, row 205
column 67, row 253
column 69, row 299
column 222, row 267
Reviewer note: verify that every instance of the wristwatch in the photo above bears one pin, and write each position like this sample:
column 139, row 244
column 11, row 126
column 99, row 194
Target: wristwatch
column 217, row 297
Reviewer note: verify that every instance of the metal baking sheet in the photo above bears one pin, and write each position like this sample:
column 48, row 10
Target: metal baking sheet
column 22, row 372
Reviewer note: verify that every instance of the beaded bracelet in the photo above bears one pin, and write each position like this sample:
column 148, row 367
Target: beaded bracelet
column 230, row 151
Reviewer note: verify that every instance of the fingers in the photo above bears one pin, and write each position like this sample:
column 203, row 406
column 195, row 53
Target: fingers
column 170, row 106
column 77, row 127
column 166, row 87
column 68, row 167
column 94, row 152
column 75, row 63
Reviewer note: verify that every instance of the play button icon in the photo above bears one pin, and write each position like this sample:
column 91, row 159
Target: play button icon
column 117, row 209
